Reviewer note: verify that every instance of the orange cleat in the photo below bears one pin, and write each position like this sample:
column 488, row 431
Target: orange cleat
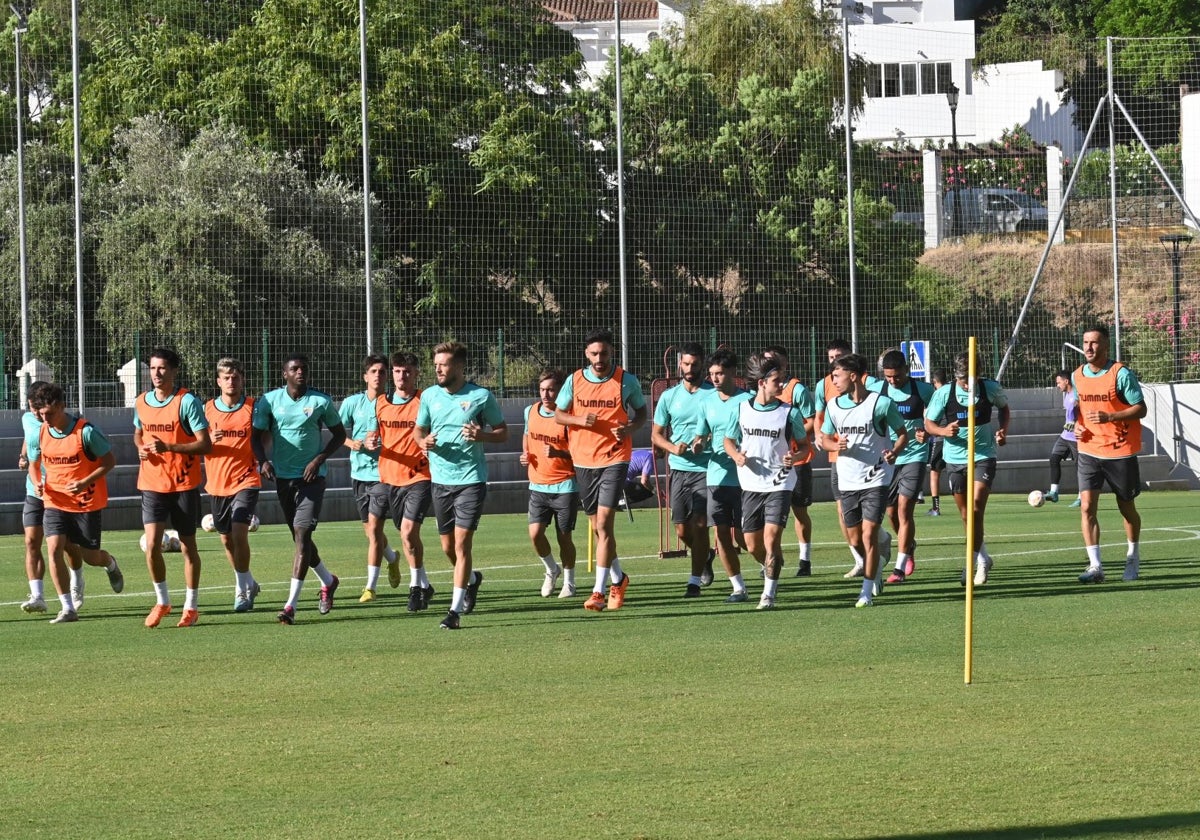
column 189, row 618
column 616, row 593
column 595, row 603
column 157, row 614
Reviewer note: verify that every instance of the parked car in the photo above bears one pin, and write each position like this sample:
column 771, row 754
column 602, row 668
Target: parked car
column 984, row 210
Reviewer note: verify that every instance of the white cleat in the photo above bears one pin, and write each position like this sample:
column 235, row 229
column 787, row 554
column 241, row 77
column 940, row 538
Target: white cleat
column 856, row 572
column 766, row 602
column 34, row 605
column 567, row 591
column 550, row 580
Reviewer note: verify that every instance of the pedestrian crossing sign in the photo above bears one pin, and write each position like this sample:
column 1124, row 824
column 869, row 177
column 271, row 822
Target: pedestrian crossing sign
column 917, row 353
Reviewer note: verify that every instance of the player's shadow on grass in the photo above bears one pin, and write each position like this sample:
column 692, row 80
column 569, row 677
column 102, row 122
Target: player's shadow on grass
column 1153, row 824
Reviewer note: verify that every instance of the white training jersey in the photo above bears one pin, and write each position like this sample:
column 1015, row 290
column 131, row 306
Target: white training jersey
column 764, row 441
column 860, row 466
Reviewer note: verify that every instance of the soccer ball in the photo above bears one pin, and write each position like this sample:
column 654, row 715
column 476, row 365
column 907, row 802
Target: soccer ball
column 1036, row 498
column 207, row 523
column 170, row 541
column 254, row 523
column 142, row 542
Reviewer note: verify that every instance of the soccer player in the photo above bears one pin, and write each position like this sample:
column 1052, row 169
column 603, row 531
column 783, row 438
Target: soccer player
column 233, row 482
column 946, row 416
column 404, row 469
column 67, row 466
column 604, row 406
column 1109, row 431
column 171, row 434
column 795, row 393
column 867, row 432
column 760, row 444
column 453, row 423
column 677, row 430
column 823, row 394
column 1066, row 447
column 357, row 413
column 724, row 491
column 553, row 491
column 937, row 462
column 293, row 415
column 910, row 397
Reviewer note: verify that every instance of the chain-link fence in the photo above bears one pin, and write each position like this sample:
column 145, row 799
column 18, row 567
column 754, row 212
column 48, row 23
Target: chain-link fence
column 223, row 192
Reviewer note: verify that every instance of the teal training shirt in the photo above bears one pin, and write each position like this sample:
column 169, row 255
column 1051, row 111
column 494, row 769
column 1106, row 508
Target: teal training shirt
column 454, row 460
column 31, row 429
column 357, row 414
column 720, row 418
column 681, row 412
column 954, row 450
column 295, row 426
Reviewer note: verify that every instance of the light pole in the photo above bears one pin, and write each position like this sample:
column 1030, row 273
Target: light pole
column 1177, row 245
column 952, row 101
column 22, row 26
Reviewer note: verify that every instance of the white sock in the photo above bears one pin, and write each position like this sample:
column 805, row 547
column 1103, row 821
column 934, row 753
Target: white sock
column 980, row 559
column 245, row 581
column 983, row 548
column 739, row 585
column 323, row 574
column 414, row 577
column 601, row 579
column 1093, row 553
column 294, row 593
column 458, row 600
column 389, row 554
column 901, row 560
column 859, row 560
column 805, row 552
column 76, row 574
column 161, row 593
column 549, row 563
column 37, row 589
column 372, row 577
column 112, row 564
column 189, row 599
column 770, row 587
column 1133, row 550
column 67, row 603
column 1053, row 488
column 569, row 576
column 424, row 578
column 614, row 571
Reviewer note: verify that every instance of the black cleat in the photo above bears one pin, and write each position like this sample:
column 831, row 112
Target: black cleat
column 805, row 569
column 325, row 604
column 287, row 615
column 416, row 599
column 451, row 621
column 693, row 591
column 472, row 593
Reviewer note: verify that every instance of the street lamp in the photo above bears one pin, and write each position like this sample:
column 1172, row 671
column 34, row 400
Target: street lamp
column 1177, row 245
column 952, row 101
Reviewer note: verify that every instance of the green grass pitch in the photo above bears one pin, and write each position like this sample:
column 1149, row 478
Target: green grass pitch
column 667, row 719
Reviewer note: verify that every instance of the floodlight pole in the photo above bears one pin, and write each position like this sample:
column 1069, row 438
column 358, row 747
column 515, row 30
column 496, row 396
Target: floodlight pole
column 366, row 172
column 622, row 279
column 77, row 142
column 850, row 225
column 21, row 28
column 1112, row 200
column 1173, row 241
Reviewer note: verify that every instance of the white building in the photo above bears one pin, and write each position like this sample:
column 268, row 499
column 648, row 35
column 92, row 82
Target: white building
column 917, row 49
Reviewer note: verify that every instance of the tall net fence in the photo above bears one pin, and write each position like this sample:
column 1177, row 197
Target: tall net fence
column 224, row 214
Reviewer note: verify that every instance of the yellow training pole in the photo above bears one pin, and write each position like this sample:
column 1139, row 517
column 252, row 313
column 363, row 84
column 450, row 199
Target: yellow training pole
column 970, row 612
column 591, row 543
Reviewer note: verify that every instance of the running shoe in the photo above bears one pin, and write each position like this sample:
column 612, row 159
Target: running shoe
column 325, row 604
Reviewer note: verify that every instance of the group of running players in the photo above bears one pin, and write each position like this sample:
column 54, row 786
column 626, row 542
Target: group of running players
column 739, row 461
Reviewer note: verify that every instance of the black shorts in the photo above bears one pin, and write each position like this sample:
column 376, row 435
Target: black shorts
column 31, row 512
column 725, row 505
column 1122, row 475
column 936, row 462
column 689, row 496
column 860, row 506
column 908, row 480
column 182, row 509
column 371, row 497
column 458, row 506
column 956, row 474
column 1065, row 450
column 636, row 492
column 301, row 502
column 239, row 507
column 762, row 509
column 802, row 492
column 409, row 502
column 83, row 529
column 561, row 508
column 600, row 487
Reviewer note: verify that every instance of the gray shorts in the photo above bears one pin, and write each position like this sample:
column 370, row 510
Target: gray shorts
column 181, row 509
column 83, row 529
column 689, row 496
column 725, row 505
column 761, row 509
column 833, row 480
column 600, row 487
column 31, row 512
column 409, row 502
column 802, row 493
column 371, row 498
column 1122, row 475
column 860, row 506
column 908, row 480
column 561, row 508
column 458, row 506
column 956, row 474
column 301, row 501
column 239, row 507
